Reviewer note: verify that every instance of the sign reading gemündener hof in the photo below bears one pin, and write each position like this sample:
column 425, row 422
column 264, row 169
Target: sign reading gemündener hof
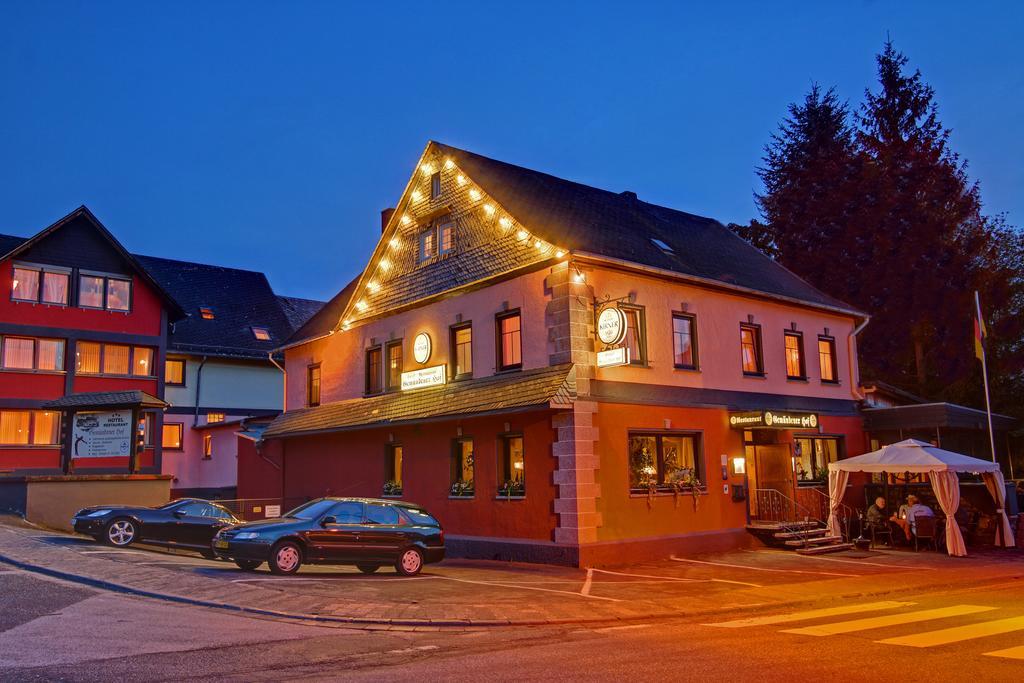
column 102, row 434
column 773, row 419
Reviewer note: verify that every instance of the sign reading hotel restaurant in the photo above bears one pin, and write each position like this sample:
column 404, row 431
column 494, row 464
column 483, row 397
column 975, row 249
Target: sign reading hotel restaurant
column 612, row 357
column 773, row 419
column 424, row 377
column 611, row 325
column 102, row 434
column 421, row 348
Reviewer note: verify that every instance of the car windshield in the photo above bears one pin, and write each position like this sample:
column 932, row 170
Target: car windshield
column 173, row 503
column 311, row 510
column 420, row 517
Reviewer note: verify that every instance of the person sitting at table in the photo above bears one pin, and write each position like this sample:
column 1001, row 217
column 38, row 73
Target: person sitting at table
column 904, row 519
column 876, row 513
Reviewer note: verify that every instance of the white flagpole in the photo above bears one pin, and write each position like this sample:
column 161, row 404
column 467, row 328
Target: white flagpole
column 984, row 375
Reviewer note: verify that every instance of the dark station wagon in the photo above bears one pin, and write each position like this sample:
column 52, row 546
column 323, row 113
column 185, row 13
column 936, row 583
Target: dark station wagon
column 364, row 532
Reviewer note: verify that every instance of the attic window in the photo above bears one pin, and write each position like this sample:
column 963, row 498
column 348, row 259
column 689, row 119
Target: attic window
column 261, row 333
column 661, row 245
column 206, row 313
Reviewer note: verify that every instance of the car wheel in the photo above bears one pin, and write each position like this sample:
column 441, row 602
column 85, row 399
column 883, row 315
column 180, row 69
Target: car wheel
column 120, row 532
column 248, row 565
column 285, row 558
column 410, row 562
column 368, row 568
column 208, row 554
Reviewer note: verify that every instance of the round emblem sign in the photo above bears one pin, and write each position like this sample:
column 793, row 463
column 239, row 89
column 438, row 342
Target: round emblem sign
column 769, row 419
column 611, row 326
column 421, row 348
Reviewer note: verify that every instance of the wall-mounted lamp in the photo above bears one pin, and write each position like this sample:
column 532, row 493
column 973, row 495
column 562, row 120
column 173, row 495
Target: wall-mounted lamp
column 739, row 465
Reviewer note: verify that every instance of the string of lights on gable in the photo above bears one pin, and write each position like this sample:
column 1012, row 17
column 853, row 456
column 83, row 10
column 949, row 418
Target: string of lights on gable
column 478, row 200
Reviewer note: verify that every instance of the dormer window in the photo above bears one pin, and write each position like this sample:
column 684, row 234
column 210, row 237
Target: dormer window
column 206, row 313
column 261, row 333
column 661, row 245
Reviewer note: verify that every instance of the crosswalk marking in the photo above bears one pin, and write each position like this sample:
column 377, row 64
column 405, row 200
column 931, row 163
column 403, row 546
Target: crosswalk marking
column 811, row 614
column 889, row 620
column 958, row 633
column 1009, row 653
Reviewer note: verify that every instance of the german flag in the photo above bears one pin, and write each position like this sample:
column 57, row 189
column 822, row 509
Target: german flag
column 980, row 331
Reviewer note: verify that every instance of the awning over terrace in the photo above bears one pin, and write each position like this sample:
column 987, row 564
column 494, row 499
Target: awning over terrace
column 941, row 466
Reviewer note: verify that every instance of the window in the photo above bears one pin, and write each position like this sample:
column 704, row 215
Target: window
column 101, row 291
column 313, row 385
column 661, row 245
column 207, row 446
column 636, row 336
column 173, row 434
column 393, row 469
column 462, row 467
column 750, row 345
column 142, row 362
column 378, row 513
column 27, row 353
column 146, row 424
column 92, row 358
column 373, row 371
column 87, row 358
column 446, row 236
column 435, row 185
column 511, row 466
column 394, row 375
column 812, row 456
column 510, row 341
column 827, row 359
column 174, row 372
column 684, row 341
column 664, row 460
column 349, row 512
column 40, row 285
column 206, row 313
column 29, row 428
column 214, row 418
column 795, row 355
column 116, row 359
column 428, row 244
column 261, row 333
column 462, row 351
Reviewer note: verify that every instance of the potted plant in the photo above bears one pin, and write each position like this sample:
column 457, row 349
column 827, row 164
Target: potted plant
column 685, row 478
column 513, row 487
column 462, row 489
column 392, row 488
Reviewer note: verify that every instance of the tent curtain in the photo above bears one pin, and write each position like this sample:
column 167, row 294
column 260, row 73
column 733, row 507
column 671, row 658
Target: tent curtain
column 947, row 491
column 836, row 488
column 996, row 486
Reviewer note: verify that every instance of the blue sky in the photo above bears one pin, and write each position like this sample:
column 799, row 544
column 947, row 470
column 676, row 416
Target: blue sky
column 270, row 135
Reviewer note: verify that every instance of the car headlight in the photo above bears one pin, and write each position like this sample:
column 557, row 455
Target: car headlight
column 246, row 535
column 98, row 513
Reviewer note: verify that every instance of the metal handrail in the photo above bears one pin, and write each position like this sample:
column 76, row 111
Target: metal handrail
column 846, row 513
column 785, row 511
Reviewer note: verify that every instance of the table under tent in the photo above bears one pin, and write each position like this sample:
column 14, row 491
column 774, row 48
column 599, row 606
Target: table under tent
column 942, row 467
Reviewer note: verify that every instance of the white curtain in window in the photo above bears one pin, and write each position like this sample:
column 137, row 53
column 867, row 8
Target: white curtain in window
column 115, row 359
column 18, row 353
column 55, row 288
column 118, row 295
column 51, row 354
column 142, row 362
column 14, row 427
column 46, row 431
column 87, row 357
column 26, row 284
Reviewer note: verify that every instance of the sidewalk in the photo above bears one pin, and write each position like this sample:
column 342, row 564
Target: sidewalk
column 477, row 593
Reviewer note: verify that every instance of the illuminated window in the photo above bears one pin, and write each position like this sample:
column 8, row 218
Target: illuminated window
column 462, row 351
column 374, row 371
column 684, row 341
column 811, row 457
column 393, row 469
column 116, row 359
column 636, row 334
column 173, row 433
column 750, row 348
column 104, row 292
column 261, row 333
column 446, row 236
column 510, row 341
column 462, row 467
column 428, row 245
column 87, row 358
column 39, row 284
column 313, row 385
column 119, row 293
column 827, row 359
column 90, row 291
column 29, row 427
column 25, row 286
column 207, row 445
column 794, row 355
column 213, row 418
column 142, row 362
column 664, row 460
column 206, row 313
column 174, row 372
column 29, row 353
column 511, row 466
column 394, row 369
column 435, row 185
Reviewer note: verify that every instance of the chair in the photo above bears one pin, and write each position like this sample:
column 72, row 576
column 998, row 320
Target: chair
column 924, row 532
column 880, row 530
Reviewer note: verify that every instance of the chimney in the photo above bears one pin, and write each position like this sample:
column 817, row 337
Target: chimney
column 629, row 194
column 385, row 216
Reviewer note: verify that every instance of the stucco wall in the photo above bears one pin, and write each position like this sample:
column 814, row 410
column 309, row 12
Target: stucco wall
column 229, row 384
column 53, row 503
column 189, row 468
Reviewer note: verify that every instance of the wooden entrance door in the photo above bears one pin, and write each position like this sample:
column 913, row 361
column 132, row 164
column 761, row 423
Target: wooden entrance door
column 775, row 468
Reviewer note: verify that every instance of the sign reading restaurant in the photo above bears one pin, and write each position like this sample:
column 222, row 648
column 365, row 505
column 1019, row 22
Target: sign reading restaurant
column 102, row 434
column 424, row 377
column 773, row 419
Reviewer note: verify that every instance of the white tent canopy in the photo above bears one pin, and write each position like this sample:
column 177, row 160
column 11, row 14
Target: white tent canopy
column 941, row 466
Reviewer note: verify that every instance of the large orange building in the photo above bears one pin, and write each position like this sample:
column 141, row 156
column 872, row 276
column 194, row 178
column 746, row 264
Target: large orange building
column 563, row 373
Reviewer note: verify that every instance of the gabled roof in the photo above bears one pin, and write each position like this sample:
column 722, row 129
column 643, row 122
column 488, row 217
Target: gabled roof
column 324, row 321
column 618, row 227
column 298, row 310
column 239, row 300
column 175, row 311
column 494, row 394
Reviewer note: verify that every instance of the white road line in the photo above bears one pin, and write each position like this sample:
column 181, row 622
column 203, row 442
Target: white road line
column 958, row 633
column 530, row 588
column 586, row 584
column 762, row 569
column 112, row 552
column 407, row 650
column 1008, row 653
column 352, row 577
column 837, row 559
column 628, row 627
column 889, row 620
column 670, row 579
column 811, row 614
